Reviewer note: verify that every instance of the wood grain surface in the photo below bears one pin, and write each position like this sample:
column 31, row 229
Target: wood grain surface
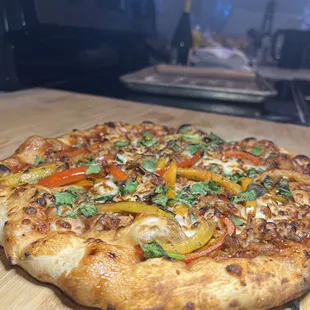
column 52, row 113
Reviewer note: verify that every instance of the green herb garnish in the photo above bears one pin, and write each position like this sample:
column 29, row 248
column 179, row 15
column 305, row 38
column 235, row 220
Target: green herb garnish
column 237, row 221
column 65, row 198
column 38, row 160
column 121, row 144
column 204, row 188
column 268, row 182
column 154, row 250
column 236, row 177
column 79, row 145
column 93, row 167
column 104, row 198
column 129, row 187
column 252, row 172
column 161, row 189
column 149, row 164
column 175, row 147
column 245, row 196
column 88, row 209
column 192, row 149
column 284, row 189
column 215, row 138
column 257, row 150
column 160, row 200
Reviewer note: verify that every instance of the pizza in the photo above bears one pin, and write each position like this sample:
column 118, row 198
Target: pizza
column 144, row 216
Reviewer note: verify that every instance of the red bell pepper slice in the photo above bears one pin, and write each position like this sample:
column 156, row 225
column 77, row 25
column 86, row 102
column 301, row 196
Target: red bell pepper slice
column 118, row 174
column 244, row 155
column 186, row 163
column 65, row 177
column 230, row 230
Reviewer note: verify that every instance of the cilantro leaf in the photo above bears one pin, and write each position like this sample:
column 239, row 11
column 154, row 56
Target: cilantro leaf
column 71, row 213
column 245, row 196
column 65, row 198
column 284, row 189
column 76, row 190
column 148, row 143
column 104, row 198
column 237, row 221
column 88, row 209
column 38, row 160
column 185, row 198
column 149, row 164
column 161, row 189
column 236, row 177
column 212, row 187
column 267, row 182
column 120, row 158
column 175, row 147
column 252, row 172
column 285, row 192
column 192, row 149
column 79, row 145
column 203, row 188
column 121, row 144
column 257, row 150
column 214, row 137
column 129, row 187
column 215, row 169
column 147, row 134
column 191, row 137
column 160, row 200
column 154, row 250
column 93, row 167
column 198, row 188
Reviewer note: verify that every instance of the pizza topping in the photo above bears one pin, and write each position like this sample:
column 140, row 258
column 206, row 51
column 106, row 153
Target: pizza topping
column 244, row 155
column 154, row 250
column 257, row 150
column 234, row 269
column 203, row 235
column 121, row 144
column 38, row 160
column 252, row 192
column 117, row 173
column 149, row 164
column 30, row 176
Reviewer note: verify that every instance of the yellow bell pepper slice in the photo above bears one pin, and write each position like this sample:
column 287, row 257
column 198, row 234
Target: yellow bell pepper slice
column 250, row 205
column 133, row 207
column 160, row 164
column 291, row 175
column 170, row 178
column 30, row 176
column 203, row 235
column 204, row 175
column 181, row 210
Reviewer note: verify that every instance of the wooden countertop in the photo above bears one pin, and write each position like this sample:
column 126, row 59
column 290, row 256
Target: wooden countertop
column 52, row 113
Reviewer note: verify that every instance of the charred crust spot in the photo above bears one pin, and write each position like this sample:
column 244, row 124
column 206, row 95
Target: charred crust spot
column 64, row 158
column 110, row 124
column 30, row 210
column 93, row 252
column 74, row 130
column 41, row 201
column 63, row 224
column 4, row 168
column 177, row 272
column 111, row 255
column 234, row 269
column 233, row 304
column 147, row 122
column 189, row 306
column 27, row 254
column 242, row 283
column 26, row 222
column 42, row 227
column 6, row 222
column 307, row 254
column 10, row 260
column 110, row 307
column 284, row 281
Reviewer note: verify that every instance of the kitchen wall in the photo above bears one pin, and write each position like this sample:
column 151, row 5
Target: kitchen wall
column 232, row 17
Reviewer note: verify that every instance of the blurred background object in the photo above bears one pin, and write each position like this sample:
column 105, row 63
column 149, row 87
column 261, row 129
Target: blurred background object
column 86, row 45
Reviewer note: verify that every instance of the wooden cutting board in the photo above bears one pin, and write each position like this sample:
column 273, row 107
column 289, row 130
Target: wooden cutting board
column 52, row 113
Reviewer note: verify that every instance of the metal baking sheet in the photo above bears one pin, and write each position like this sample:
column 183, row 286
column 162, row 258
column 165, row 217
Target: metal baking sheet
column 200, row 83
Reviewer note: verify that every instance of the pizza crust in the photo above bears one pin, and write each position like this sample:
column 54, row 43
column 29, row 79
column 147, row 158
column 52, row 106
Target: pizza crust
column 97, row 273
